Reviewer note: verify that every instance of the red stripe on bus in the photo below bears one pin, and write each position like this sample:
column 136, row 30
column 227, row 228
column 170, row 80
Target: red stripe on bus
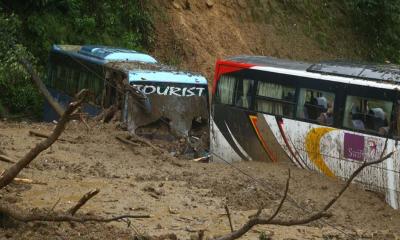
column 223, row 67
column 280, row 123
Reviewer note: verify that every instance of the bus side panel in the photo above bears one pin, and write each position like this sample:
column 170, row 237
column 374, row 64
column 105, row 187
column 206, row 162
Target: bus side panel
column 337, row 153
column 234, row 137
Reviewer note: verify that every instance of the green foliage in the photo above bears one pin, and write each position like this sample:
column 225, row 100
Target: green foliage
column 379, row 22
column 30, row 27
column 107, row 22
column 18, row 95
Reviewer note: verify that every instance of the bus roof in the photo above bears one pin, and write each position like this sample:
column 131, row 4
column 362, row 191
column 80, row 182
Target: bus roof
column 388, row 73
column 166, row 76
column 104, row 54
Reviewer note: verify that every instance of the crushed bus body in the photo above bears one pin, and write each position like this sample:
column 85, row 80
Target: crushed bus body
column 327, row 117
column 143, row 89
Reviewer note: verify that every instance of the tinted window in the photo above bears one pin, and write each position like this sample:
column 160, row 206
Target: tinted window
column 275, row 99
column 367, row 114
column 316, row 105
column 244, row 91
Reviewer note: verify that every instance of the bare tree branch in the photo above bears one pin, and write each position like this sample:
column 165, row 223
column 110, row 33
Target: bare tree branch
column 229, row 217
column 257, row 220
column 6, row 211
column 82, row 201
column 4, row 158
column 42, row 88
column 7, row 176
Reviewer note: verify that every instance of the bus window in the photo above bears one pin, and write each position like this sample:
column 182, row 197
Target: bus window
column 226, row 87
column 367, row 114
column 243, row 93
column 275, row 99
column 316, row 105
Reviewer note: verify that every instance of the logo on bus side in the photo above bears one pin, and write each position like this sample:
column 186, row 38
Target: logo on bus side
column 171, row 91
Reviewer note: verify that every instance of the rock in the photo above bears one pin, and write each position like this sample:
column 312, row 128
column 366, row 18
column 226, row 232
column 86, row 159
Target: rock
column 209, row 3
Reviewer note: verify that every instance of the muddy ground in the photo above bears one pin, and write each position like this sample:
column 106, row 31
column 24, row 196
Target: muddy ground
column 181, row 196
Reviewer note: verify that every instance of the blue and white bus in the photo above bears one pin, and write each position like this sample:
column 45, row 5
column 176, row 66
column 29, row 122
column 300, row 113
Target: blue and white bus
column 161, row 91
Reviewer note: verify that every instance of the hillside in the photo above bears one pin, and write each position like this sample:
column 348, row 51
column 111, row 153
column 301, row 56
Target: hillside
column 194, row 34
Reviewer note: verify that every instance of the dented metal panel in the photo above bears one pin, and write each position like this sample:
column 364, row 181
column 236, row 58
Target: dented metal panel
column 176, row 104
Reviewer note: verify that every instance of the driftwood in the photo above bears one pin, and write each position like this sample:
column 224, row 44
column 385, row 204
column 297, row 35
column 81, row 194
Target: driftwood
column 7, row 176
column 258, row 220
column 42, row 88
column 4, row 158
column 82, row 201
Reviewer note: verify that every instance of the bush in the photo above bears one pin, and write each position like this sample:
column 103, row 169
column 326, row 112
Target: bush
column 18, row 95
column 107, row 22
column 378, row 21
column 29, row 28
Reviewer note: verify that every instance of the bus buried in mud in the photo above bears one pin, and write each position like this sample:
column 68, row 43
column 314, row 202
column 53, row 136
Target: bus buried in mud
column 143, row 89
column 329, row 117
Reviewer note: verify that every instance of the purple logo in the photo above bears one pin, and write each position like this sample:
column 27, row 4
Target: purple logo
column 354, row 146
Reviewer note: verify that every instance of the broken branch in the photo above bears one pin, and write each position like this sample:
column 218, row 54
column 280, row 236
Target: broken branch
column 44, row 135
column 6, row 211
column 126, row 141
column 7, row 176
column 83, row 201
column 257, row 220
column 6, row 159
column 136, row 138
column 42, row 88
column 28, row 181
column 229, row 217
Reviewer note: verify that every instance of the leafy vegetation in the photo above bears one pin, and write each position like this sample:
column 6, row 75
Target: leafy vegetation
column 378, row 21
column 18, row 95
column 29, row 28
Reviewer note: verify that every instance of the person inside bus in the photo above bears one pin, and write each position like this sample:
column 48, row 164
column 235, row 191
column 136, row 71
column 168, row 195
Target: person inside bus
column 316, row 107
column 378, row 120
column 327, row 116
column 357, row 118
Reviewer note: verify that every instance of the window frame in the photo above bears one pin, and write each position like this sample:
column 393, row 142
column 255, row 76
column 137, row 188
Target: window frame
column 336, row 108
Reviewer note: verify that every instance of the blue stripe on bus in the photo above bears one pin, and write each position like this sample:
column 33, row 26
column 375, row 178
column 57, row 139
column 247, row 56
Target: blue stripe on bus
column 164, row 76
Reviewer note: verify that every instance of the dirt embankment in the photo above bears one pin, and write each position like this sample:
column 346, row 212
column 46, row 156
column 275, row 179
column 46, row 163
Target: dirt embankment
column 193, row 34
column 182, row 196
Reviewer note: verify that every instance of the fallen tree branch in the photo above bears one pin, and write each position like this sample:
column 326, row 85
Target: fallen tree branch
column 136, row 138
column 44, row 135
column 257, row 220
column 13, row 214
column 6, row 159
column 7, row 176
column 82, row 201
column 229, row 217
column 42, row 88
column 28, row 181
column 126, row 141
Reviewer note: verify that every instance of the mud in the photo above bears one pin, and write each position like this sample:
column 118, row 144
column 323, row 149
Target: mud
column 182, row 197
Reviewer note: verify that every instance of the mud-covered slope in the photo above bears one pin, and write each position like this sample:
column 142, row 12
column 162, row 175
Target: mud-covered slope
column 195, row 33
